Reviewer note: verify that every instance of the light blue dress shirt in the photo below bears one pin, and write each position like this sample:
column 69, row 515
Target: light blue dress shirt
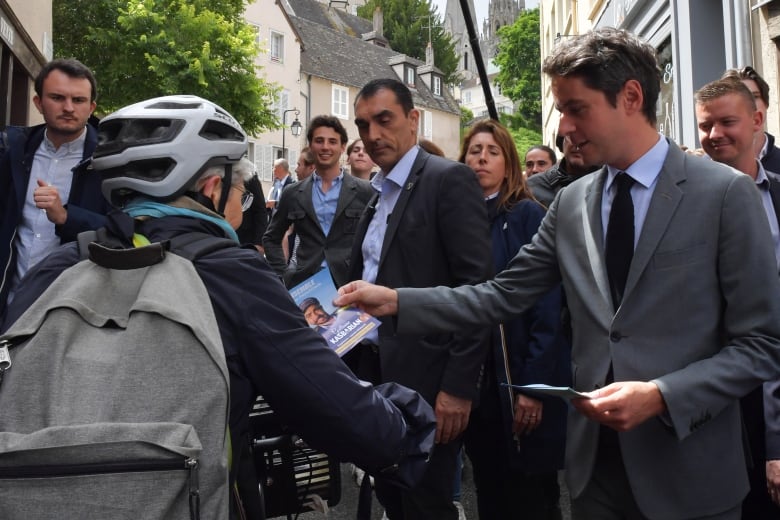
column 35, row 236
column 762, row 182
column 389, row 186
column 645, row 172
column 325, row 204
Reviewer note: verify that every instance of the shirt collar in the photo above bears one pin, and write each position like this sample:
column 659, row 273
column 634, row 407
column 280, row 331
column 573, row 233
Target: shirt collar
column 764, row 148
column 762, row 179
column 645, row 169
column 318, row 178
column 400, row 171
column 70, row 145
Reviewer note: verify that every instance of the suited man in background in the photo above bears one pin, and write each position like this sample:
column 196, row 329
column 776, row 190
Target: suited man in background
column 282, row 179
column 669, row 334
column 426, row 226
column 324, row 209
column 729, row 126
column 764, row 145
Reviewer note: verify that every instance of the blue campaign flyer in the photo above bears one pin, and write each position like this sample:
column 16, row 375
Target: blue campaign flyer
column 342, row 328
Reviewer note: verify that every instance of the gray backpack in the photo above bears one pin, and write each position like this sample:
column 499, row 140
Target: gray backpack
column 115, row 402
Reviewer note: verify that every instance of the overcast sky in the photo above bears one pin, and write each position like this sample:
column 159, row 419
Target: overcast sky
column 481, row 7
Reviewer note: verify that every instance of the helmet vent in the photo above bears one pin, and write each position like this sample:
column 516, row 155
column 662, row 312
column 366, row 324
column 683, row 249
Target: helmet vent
column 117, row 135
column 218, row 131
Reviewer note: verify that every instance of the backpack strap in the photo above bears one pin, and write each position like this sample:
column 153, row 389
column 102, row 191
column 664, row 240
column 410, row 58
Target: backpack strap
column 196, row 244
column 99, row 247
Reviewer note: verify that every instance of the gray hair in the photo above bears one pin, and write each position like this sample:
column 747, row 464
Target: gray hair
column 283, row 163
column 242, row 172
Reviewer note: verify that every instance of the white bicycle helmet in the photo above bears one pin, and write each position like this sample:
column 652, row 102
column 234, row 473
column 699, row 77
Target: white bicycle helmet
column 160, row 146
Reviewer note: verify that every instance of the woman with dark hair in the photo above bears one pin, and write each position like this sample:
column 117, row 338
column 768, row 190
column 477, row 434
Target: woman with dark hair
column 516, row 441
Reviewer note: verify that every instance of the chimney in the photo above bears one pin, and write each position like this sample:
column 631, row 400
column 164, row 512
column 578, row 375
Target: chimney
column 377, row 36
column 378, row 22
column 429, row 55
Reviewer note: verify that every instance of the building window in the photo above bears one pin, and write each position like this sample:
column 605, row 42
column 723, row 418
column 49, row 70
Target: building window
column 256, row 27
column 426, row 124
column 277, row 47
column 281, row 103
column 340, row 102
column 409, row 73
column 467, row 96
column 437, row 86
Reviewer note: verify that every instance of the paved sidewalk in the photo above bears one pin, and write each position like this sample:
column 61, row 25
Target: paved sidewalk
column 347, row 507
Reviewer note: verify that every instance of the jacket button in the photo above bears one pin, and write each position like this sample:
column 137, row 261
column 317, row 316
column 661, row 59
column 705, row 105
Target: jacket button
column 615, row 336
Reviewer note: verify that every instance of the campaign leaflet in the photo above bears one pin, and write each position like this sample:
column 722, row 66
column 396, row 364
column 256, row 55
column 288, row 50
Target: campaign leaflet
column 342, row 328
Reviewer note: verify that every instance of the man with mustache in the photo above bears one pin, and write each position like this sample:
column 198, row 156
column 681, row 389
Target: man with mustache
column 49, row 195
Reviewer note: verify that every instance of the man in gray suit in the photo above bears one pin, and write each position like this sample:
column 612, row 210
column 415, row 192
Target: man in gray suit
column 665, row 357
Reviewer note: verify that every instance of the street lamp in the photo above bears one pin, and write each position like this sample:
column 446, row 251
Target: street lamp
column 295, row 128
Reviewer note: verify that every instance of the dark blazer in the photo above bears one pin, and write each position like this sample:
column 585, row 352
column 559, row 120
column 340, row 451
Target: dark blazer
column 534, row 347
column 255, row 219
column 437, row 234
column 86, row 205
column 700, row 318
column 761, row 407
column 296, row 208
column 771, row 160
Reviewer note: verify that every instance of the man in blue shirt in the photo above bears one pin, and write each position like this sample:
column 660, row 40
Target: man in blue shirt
column 48, row 195
column 324, row 208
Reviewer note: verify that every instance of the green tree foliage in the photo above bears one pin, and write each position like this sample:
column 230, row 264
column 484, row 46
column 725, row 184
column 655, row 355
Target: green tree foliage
column 466, row 116
column 406, row 27
column 524, row 139
column 518, row 58
column 140, row 49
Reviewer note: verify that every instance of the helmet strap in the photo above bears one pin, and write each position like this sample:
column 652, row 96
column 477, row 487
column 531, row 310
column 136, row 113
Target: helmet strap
column 227, row 183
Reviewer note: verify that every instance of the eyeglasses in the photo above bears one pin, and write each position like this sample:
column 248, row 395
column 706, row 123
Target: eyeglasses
column 246, row 197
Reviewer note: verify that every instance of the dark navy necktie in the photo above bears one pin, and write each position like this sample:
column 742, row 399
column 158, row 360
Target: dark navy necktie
column 620, row 237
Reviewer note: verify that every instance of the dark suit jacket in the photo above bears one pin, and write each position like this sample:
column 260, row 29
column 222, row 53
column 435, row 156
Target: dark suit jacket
column 296, row 208
column 255, row 219
column 437, row 234
column 700, row 318
column 771, row 160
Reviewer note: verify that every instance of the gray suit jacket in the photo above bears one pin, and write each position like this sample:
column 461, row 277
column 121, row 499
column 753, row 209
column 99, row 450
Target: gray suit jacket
column 700, row 317
column 296, row 208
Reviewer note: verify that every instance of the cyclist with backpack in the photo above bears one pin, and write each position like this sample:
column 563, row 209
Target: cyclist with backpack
column 167, row 164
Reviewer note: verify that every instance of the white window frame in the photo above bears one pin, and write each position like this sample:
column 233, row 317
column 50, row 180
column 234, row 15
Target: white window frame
column 467, row 96
column 276, row 46
column 265, row 163
column 425, row 129
column 281, row 103
column 339, row 101
column 436, row 86
column 409, row 76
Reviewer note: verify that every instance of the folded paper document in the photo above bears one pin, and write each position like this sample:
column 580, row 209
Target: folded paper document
column 564, row 392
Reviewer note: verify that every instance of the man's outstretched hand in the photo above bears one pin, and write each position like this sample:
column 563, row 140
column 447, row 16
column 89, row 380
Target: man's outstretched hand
column 373, row 299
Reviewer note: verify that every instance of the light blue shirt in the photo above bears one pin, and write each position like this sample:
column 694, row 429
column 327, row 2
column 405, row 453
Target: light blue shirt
column 35, row 237
column 325, row 204
column 276, row 191
column 389, row 186
column 645, row 172
column 762, row 182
